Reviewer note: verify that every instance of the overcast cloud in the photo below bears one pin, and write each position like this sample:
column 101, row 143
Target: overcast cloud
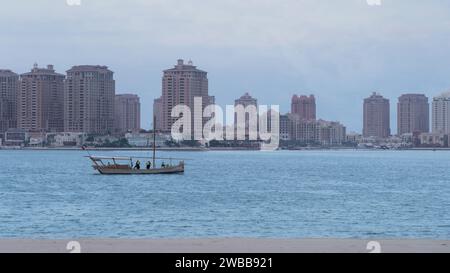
column 339, row 50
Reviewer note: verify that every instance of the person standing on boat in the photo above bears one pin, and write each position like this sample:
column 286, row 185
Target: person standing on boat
column 149, row 165
column 138, row 165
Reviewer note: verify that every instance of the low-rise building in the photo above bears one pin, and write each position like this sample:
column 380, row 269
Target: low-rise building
column 353, row 137
column 407, row 138
column 66, row 139
column 331, row 133
column 318, row 132
column 433, row 140
column 15, row 137
column 145, row 140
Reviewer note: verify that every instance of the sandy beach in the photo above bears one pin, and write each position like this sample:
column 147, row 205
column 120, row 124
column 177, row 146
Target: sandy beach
column 225, row 246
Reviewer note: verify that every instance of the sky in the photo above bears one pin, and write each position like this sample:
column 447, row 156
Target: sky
column 340, row 51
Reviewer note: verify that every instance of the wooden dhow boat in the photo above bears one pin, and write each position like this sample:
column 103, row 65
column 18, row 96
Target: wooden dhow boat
column 131, row 165
column 118, row 165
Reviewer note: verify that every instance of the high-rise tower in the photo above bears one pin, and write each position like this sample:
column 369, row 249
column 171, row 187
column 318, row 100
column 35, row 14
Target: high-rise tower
column 89, row 96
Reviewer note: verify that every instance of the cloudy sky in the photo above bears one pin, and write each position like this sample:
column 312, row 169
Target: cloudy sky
column 339, row 50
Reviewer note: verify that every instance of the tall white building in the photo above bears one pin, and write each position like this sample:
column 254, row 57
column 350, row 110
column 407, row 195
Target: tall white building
column 441, row 114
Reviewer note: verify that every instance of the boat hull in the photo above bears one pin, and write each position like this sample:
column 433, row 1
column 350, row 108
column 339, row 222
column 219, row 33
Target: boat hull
column 122, row 171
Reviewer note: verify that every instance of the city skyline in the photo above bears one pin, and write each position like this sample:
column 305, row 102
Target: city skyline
column 286, row 105
column 335, row 50
column 298, row 103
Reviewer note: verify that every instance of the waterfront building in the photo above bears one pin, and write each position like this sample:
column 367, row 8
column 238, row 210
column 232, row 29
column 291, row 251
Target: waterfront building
column 9, row 82
column 145, row 140
column 441, row 114
column 36, row 139
column 409, row 138
column 127, row 113
column 353, row 137
column 304, row 131
column 285, row 128
column 433, row 140
column 40, row 100
column 89, row 96
column 413, row 114
column 304, row 107
column 246, row 101
column 15, row 137
column 66, row 139
column 331, row 133
column 376, row 117
column 316, row 132
column 180, row 85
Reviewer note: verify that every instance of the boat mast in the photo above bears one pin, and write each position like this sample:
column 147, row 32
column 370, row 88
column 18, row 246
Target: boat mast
column 154, row 141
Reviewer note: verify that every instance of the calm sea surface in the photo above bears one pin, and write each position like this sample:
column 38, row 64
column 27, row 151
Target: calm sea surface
column 342, row 194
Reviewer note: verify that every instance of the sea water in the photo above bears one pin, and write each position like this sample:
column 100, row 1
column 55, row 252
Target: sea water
column 285, row 194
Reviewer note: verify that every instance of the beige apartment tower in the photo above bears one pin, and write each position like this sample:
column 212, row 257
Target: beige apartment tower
column 89, row 96
column 127, row 113
column 180, row 85
column 40, row 100
column 9, row 82
column 413, row 114
column 376, row 117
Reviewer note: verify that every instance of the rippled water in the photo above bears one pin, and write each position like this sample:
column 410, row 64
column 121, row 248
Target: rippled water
column 343, row 194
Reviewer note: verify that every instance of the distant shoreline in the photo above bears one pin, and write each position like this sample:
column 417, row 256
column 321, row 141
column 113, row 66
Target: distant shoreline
column 194, row 149
column 187, row 149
